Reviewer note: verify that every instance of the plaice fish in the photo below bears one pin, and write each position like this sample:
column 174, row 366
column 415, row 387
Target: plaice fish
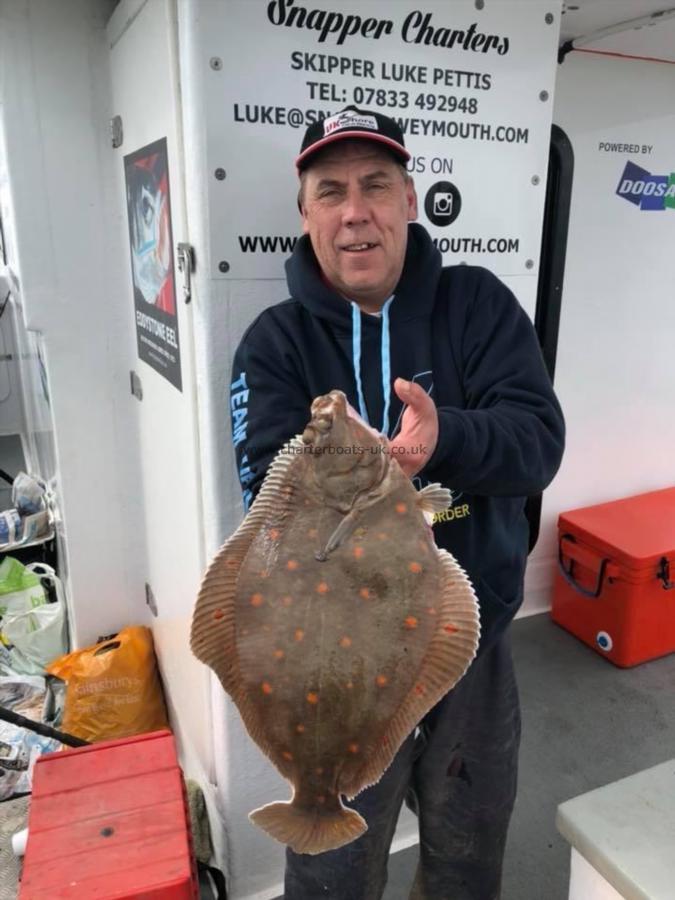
column 333, row 620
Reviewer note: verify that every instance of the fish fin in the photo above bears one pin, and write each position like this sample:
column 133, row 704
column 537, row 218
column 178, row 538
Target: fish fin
column 451, row 650
column 212, row 637
column 433, row 498
column 309, row 830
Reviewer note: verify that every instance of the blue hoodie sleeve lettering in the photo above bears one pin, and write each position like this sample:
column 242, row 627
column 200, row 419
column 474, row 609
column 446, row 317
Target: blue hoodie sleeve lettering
column 267, row 404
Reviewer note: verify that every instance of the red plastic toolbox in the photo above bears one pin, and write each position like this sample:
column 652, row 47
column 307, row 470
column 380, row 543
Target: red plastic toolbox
column 110, row 821
column 615, row 587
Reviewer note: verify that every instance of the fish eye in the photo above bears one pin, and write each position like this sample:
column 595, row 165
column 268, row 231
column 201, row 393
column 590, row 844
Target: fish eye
column 323, row 423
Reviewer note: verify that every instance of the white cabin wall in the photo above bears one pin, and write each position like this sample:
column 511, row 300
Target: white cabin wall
column 616, row 367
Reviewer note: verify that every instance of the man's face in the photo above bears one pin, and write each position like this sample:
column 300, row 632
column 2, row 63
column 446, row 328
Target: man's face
column 356, row 207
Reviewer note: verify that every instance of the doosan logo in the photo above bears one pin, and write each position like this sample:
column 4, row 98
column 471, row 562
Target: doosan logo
column 647, row 191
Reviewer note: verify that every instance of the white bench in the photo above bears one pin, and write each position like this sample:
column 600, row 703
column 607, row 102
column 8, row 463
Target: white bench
column 623, row 838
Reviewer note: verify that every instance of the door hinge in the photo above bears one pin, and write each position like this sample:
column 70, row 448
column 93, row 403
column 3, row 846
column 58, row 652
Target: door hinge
column 136, row 386
column 186, row 265
column 150, row 599
column 116, row 131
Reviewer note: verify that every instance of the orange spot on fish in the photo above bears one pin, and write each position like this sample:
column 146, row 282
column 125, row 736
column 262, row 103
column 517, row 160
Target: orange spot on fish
column 451, row 629
column 353, row 748
column 321, row 799
column 313, row 532
column 415, row 567
column 313, row 698
column 358, row 552
column 287, row 600
column 287, row 755
column 410, row 622
column 218, row 614
column 345, row 641
column 256, row 600
column 381, row 680
column 292, row 565
column 264, row 574
column 299, row 634
column 401, row 508
column 431, row 611
column 385, row 740
column 300, row 729
column 366, row 594
column 420, row 689
column 279, row 654
column 274, row 534
column 266, row 687
column 322, row 588
column 349, row 685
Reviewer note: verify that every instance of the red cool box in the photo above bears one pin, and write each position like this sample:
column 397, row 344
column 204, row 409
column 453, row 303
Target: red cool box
column 615, row 588
column 110, row 821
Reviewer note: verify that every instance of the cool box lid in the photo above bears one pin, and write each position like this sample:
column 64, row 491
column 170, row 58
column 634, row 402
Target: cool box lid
column 634, row 531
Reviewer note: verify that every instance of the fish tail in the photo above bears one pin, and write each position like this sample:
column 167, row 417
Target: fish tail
column 309, row 830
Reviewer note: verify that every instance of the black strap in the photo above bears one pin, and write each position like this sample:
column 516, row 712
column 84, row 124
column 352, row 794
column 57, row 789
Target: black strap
column 217, row 877
column 14, row 718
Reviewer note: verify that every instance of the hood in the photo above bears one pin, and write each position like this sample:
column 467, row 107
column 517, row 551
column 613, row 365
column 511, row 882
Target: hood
column 413, row 296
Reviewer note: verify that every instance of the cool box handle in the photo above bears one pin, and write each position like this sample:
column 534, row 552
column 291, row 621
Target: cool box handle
column 664, row 574
column 577, row 554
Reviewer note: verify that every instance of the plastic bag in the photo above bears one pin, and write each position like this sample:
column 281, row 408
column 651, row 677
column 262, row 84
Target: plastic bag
column 20, row 747
column 113, row 688
column 33, row 630
column 20, row 589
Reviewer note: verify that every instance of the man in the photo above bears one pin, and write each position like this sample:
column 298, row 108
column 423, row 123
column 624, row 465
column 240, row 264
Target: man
column 471, row 407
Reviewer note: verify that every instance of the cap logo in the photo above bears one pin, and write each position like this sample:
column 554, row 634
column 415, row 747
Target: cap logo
column 348, row 120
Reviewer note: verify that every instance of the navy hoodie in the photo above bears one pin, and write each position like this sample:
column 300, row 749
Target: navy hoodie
column 461, row 334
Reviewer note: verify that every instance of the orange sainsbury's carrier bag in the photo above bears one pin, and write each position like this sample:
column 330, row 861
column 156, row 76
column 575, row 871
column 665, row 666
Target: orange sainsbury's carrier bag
column 113, row 688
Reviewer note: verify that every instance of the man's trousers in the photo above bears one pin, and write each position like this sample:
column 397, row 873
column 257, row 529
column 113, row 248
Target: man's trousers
column 459, row 775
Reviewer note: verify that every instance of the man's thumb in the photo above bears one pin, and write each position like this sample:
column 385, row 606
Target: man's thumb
column 403, row 388
column 409, row 392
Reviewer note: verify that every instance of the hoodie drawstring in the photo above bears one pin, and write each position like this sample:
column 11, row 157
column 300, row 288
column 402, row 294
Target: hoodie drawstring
column 386, row 363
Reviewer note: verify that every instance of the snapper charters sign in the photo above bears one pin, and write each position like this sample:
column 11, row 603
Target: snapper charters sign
column 470, row 88
column 416, row 28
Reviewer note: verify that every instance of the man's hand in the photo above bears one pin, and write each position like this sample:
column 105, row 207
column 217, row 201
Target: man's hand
column 416, row 441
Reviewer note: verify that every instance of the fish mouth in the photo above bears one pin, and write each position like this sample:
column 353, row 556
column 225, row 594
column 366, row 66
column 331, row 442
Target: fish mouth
column 324, row 411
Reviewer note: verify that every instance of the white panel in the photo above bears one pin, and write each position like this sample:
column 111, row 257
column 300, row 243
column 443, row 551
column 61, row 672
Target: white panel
column 616, row 367
column 145, row 94
column 478, row 119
